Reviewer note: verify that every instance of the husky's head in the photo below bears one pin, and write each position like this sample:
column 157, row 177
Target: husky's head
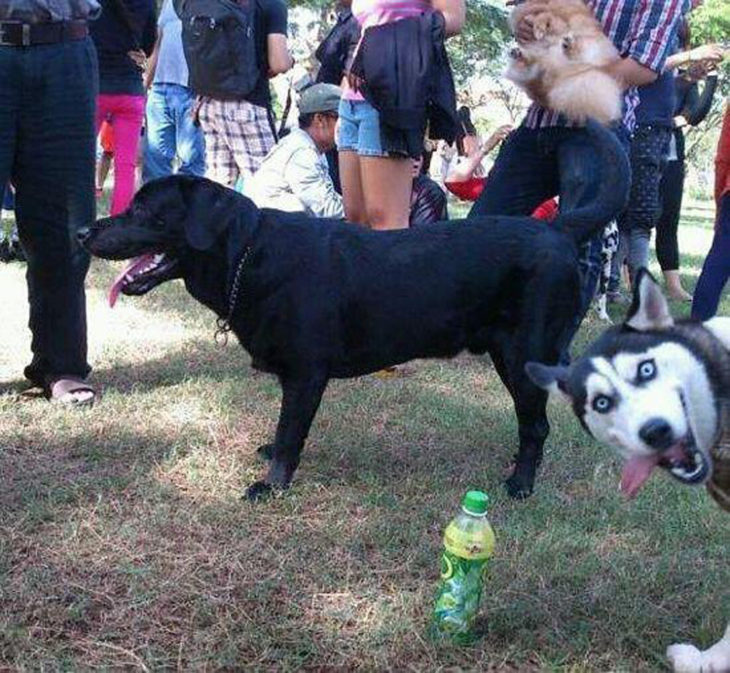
column 645, row 389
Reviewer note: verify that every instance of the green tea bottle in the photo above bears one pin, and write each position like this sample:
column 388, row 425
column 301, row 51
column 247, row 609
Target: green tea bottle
column 468, row 545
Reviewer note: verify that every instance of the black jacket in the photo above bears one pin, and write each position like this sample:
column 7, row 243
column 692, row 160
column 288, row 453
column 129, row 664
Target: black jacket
column 428, row 203
column 337, row 48
column 408, row 78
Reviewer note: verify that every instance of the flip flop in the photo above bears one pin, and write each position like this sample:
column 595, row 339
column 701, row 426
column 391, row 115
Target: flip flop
column 64, row 389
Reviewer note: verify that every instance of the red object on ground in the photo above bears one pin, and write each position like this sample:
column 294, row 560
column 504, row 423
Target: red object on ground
column 469, row 190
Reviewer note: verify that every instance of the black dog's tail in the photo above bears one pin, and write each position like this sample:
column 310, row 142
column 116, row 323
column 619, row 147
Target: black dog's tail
column 612, row 190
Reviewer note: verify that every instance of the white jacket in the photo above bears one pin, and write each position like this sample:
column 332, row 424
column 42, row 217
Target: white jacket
column 294, row 177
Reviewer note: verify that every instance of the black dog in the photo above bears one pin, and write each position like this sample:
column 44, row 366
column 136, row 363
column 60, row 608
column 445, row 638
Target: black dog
column 315, row 299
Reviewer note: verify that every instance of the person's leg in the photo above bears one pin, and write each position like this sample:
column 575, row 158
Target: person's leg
column 352, row 190
column 127, row 118
column 387, row 184
column 189, row 139
column 102, row 170
column 10, row 97
column 524, row 175
column 54, row 178
column 249, row 133
column 648, row 151
column 580, row 177
column 159, row 143
column 716, row 269
column 220, row 164
column 671, row 191
column 348, row 126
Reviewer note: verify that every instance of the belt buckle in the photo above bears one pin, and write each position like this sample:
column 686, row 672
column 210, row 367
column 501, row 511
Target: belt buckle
column 4, row 42
column 24, row 36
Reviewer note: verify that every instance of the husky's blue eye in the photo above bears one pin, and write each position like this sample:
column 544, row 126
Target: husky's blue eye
column 646, row 370
column 602, row 404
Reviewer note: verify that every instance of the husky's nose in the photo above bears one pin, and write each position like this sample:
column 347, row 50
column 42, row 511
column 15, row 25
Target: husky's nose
column 657, row 434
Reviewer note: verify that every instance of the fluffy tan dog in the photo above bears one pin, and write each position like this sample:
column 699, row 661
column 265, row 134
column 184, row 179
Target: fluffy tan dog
column 562, row 68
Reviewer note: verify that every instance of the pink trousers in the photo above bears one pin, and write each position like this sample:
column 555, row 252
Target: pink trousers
column 125, row 114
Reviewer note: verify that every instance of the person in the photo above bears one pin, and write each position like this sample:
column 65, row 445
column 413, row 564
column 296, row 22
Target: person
column 545, row 157
column 334, row 54
column 294, row 175
column 466, row 178
column 428, row 200
column 375, row 169
column 124, row 36
column 171, row 130
column 716, row 269
column 691, row 108
column 48, row 87
column 240, row 133
column 647, row 155
column 650, row 144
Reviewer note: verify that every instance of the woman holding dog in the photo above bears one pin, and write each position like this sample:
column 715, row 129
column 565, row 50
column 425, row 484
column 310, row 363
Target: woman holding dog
column 376, row 168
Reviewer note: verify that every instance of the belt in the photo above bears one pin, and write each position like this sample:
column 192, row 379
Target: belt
column 19, row 34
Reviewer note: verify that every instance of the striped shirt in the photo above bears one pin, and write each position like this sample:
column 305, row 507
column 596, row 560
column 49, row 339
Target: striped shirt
column 371, row 13
column 642, row 30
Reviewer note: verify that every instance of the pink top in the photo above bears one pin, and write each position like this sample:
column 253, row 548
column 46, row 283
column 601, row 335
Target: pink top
column 371, row 13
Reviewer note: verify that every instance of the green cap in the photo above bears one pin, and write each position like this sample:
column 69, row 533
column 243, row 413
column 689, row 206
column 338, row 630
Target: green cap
column 475, row 502
column 320, row 98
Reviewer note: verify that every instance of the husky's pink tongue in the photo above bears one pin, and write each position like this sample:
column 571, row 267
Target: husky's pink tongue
column 135, row 265
column 635, row 472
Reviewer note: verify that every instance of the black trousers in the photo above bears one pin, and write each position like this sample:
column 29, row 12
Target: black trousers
column 671, row 191
column 47, row 143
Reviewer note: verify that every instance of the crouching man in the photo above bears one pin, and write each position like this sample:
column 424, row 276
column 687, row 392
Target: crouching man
column 294, row 175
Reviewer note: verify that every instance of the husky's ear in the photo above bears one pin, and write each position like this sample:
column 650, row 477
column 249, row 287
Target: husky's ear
column 649, row 309
column 552, row 379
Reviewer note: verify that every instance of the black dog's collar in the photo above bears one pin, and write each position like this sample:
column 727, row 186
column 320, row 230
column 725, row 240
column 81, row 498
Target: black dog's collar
column 223, row 325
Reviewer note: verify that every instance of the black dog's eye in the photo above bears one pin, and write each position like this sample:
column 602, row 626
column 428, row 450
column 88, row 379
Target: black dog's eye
column 602, row 404
column 646, row 370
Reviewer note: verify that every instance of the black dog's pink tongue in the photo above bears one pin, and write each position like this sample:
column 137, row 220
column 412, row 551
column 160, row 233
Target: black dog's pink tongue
column 635, row 472
column 135, row 265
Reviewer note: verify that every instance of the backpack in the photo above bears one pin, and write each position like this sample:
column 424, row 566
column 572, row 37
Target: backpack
column 219, row 42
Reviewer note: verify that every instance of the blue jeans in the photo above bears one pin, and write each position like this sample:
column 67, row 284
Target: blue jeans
column 536, row 164
column 171, row 132
column 47, row 142
column 716, row 269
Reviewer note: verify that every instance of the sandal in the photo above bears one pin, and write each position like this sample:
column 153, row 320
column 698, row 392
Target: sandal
column 69, row 390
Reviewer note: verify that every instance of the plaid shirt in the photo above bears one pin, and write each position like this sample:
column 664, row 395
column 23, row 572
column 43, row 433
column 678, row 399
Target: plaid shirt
column 642, row 30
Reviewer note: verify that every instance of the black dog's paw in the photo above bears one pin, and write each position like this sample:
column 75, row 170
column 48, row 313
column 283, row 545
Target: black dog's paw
column 266, row 451
column 518, row 487
column 257, row 491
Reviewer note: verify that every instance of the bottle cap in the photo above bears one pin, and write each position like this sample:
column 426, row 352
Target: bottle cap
column 475, row 503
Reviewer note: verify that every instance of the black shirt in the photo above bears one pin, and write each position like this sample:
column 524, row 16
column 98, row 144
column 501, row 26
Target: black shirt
column 118, row 74
column 337, row 48
column 271, row 19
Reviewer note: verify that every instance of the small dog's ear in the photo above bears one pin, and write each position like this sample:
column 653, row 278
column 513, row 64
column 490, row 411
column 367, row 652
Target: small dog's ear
column 649, row 309
column 552, row 379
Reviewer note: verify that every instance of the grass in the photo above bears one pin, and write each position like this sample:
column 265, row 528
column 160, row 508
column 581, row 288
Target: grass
column 124, row 543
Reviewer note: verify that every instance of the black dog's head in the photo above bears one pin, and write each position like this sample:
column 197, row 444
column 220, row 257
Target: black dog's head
column 168, row 223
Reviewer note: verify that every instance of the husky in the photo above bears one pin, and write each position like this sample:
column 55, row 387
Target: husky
column 658, row 392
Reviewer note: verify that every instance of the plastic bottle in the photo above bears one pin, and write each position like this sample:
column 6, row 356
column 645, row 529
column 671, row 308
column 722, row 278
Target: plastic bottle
column 468, row 545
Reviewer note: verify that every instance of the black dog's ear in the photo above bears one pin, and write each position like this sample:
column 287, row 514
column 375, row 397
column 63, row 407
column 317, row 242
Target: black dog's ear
column 209, row 210
column 649, row 309
column 552, row 379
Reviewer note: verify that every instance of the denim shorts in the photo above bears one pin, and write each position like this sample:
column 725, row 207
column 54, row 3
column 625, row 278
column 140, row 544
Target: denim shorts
column 359, row 129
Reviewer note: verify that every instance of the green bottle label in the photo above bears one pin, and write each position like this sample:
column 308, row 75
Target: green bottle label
column 457, row 601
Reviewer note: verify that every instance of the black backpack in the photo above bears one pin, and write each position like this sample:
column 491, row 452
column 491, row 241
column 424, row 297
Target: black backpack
column 219, row 42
